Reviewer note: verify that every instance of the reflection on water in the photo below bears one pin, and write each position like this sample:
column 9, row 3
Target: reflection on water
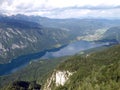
column 70, row 49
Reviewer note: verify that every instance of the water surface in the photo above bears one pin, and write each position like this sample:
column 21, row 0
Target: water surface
column 69, row 49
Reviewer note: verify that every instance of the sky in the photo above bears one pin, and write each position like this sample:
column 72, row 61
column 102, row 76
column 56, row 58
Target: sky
column 62, row 8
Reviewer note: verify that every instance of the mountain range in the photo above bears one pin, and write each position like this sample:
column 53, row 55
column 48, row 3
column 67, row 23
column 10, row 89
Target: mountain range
column 21, row 35
column 96, row 69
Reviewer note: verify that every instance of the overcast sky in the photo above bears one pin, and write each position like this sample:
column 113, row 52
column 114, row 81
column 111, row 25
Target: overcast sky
column 62, row 8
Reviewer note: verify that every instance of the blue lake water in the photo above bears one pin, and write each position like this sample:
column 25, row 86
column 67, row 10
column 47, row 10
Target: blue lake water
column 69, row 49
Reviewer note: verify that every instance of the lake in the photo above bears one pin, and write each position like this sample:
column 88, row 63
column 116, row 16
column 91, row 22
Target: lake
column 69, row 49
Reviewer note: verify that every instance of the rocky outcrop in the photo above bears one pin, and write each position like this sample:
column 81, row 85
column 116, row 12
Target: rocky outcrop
column 24, row 85
column 57, row 78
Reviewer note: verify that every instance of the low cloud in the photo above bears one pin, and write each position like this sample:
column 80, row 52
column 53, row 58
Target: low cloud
column 62, row 8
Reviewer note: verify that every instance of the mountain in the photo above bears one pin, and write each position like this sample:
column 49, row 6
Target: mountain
column 15, row 23
column 19, row 37
column 112, row 34
column 96, row 71
column 23, row 35
column 78, row 27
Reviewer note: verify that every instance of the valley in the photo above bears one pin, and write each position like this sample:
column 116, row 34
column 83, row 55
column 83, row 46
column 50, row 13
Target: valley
column 59, row 45
column 34, row 48
column 65, row 50
column 22, row 35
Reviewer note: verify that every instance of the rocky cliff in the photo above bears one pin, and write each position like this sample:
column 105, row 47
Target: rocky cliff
column 58, row 78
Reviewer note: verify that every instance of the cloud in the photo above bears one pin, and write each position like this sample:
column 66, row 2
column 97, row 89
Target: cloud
column 87, row 13
column 62, row 8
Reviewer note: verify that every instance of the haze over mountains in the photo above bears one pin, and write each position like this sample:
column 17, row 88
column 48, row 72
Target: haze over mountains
column 59, row 45
column 22, row 34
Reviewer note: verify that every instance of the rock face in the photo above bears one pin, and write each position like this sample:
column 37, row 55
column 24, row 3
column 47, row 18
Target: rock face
column 57, row 78
column 24, row 85
column 62, row 77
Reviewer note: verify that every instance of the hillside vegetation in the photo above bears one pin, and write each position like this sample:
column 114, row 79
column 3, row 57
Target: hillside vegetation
column 92, row 71
column 112, row 34
column 36, row 71
column 95, row 71
column 23, row 85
